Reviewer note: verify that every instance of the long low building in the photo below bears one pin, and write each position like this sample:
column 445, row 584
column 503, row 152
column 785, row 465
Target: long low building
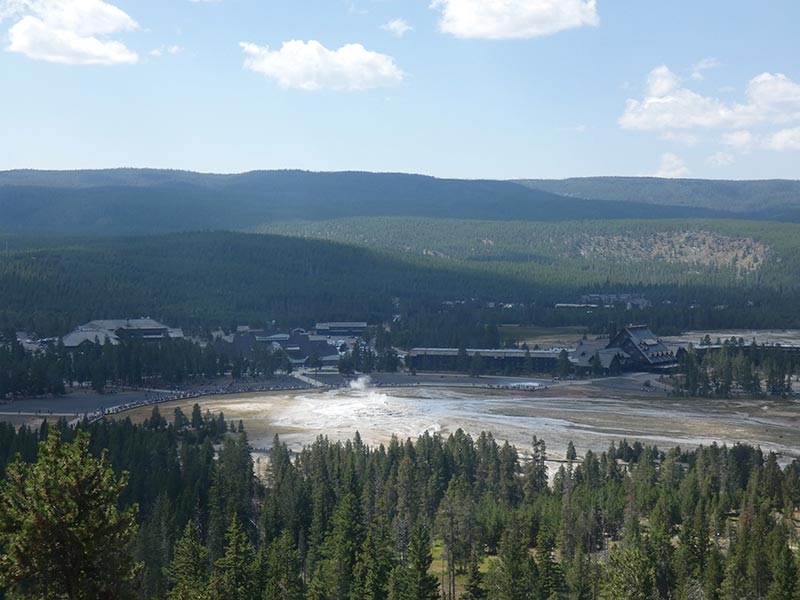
column 633, row 348
column 448, row 359
column 341, row 328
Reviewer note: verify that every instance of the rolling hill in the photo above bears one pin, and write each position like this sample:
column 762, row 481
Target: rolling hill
column 142, row 201
column 651, row 252
column 777, row 199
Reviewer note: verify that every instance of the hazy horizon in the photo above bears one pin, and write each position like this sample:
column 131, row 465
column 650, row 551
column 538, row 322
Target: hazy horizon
column 390, row 172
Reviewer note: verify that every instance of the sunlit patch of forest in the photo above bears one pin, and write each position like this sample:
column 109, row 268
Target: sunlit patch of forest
column 653, row 252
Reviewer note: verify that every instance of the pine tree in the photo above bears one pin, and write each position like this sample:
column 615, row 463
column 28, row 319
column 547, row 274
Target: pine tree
column 188, row 572
column 474, row 589
column 376, row 560
column 735, row 578
column 785, row 584
column 197, row 418
column 154, row 546
column 550, row 575
column 579, row 577
column 535, row 479
column 61, row 530
column 629, row 575
column 234, row 578
column 284, row 580
column 232, row 490
column 334, row 575
column 571, row 453
column 515, row 575
column 712, row 575
column 455, row 524
column 415, row 582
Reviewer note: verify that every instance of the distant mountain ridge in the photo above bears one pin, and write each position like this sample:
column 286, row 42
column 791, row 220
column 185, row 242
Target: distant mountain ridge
column 144, row 201
column 769, row 196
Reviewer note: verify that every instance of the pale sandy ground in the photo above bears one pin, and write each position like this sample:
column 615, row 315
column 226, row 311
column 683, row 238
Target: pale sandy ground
column 787, row 337
column 588, row 415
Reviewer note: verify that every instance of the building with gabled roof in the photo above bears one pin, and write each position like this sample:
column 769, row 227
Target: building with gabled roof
column 611, row 359
column 115, row 331
column 644, row 348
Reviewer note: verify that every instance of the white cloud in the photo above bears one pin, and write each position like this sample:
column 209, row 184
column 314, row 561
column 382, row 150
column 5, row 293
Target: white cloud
column 742, row 141
column 703, row 65
column 398, row 27
column 69, row 31
column 173, row 50
column 672, row 166
column 681, row 137
column 513, row 19
column 775, row 95
column 772, row 98
column 661, row 81
column 720, row 159
column 311, row 66
column 787, row 140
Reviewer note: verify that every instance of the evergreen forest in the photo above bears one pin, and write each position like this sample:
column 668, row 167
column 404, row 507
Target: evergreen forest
column 449, row 277
column 436, row 517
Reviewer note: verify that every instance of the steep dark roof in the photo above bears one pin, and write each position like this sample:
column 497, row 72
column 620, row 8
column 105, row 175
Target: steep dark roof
column 643, row 345
column 586, row 350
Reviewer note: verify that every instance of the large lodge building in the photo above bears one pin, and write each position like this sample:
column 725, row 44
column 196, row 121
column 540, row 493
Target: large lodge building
column 115, row 331
column 633, row 348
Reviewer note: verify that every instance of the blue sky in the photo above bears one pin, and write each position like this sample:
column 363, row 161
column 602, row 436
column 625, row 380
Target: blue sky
column 453, row 88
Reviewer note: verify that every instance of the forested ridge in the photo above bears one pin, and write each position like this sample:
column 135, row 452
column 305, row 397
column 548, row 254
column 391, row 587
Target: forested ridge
column 144, row 201
column 207, row 279
column 221, row 278
column 716, row 252
column 776, row 199
column 344, row 521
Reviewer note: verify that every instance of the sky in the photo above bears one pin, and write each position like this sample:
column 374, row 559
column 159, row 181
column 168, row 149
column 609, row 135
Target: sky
column 496, row 89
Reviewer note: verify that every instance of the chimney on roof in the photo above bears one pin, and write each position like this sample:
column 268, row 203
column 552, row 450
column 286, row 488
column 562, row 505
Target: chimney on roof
column 612, row 330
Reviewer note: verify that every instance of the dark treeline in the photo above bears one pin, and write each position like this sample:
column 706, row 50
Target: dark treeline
column 674, row 310
column 204, row 280
column 131, row 363
column 374, row 352
column 344, row 521
column 200, row 280
column 735, row 368
column 153, row 453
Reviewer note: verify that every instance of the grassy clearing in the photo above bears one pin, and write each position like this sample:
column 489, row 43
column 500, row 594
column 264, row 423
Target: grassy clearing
column 543, row 335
